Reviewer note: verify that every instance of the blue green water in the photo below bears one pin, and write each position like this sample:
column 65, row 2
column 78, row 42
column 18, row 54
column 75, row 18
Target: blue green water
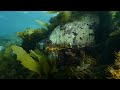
column 15, row 21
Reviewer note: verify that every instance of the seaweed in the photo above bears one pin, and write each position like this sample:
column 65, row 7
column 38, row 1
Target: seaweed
column 113, row 71
column 10, row 68
column 42, row 23
column 61, row 60
column 31, row 38
column 35, row 61
column 27, row 61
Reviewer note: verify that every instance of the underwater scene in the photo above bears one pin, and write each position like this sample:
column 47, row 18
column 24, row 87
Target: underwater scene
column 59, row 44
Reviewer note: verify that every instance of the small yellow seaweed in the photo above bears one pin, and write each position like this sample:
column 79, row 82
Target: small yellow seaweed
column 41, row 23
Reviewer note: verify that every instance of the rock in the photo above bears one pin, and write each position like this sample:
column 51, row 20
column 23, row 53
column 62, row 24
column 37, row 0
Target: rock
column 78, row 33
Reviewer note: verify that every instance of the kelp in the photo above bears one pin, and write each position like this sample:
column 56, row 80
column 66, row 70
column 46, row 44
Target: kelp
column 10, row 68
column 35, row 61
column 58, row 62
column 42, row 23
column 52, row 12
column 62, row 18
column 25, row 59
column 43, row 60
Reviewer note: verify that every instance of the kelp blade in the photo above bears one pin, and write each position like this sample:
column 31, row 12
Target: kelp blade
column 26, row 60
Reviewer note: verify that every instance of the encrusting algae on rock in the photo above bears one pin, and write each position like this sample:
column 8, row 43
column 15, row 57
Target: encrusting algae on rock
column 73, row 45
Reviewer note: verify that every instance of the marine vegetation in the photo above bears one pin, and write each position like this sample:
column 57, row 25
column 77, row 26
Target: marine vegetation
column 113, row 71
column 73, row 45
column 31, row 37
column 10, row 68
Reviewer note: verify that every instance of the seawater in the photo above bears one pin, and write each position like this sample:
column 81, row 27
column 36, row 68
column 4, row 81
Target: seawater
column 16, row 21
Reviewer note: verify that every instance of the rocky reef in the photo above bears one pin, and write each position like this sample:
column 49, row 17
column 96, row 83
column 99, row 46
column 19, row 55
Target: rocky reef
column 79, row 33
column 74, row 45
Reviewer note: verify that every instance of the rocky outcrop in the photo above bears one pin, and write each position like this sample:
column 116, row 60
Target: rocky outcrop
column 78, row 33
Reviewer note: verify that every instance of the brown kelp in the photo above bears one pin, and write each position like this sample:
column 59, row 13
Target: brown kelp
column 74, row 45
column 10, row 68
